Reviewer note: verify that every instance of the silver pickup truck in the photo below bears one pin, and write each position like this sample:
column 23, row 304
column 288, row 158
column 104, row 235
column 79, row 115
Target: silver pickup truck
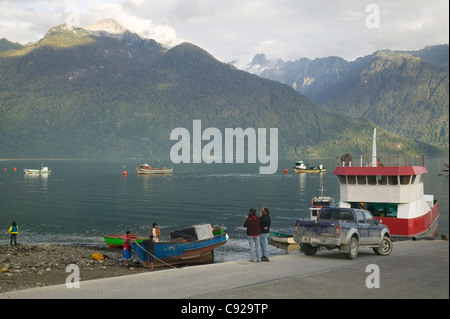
column 344, row 228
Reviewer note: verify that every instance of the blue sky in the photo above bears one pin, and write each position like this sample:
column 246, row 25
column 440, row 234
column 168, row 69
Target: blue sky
column 235, row 30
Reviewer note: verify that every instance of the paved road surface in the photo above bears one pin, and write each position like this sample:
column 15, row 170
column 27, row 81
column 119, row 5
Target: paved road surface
column 415, row 269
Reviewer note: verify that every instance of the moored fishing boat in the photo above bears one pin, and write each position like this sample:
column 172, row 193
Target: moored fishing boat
column 42, row 170
column 282, row 238
column 192, row 245
column 147, row 169
column 318, row 202
column 394, row 193
column 302, row 167
column 116, row 241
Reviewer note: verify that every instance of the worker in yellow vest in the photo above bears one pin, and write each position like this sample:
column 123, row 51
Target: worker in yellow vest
column 13, row 232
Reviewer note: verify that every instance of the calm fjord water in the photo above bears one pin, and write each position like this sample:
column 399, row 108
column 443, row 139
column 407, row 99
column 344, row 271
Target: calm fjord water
column 84, row 199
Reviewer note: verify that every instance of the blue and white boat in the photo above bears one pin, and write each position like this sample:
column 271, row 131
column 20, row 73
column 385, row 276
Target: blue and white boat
column 192, row 245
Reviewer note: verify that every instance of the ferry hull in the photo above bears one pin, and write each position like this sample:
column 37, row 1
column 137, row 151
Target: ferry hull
column 424, row 226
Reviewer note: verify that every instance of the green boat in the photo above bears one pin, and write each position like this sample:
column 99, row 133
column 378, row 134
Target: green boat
column 282, row 238
column 116, row 241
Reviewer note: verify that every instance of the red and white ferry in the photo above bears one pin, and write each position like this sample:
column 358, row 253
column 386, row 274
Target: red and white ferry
column 394, row 193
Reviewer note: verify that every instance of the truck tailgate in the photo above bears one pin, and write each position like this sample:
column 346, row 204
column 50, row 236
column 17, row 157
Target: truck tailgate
column 315, row 228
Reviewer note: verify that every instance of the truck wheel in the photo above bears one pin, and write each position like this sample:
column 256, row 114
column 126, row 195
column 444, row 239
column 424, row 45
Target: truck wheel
column 385, row 247
column 353, row 249
column 308, row 249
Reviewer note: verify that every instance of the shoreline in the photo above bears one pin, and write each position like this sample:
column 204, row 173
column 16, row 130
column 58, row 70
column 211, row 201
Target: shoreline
column 415, row 269
column 28, row 266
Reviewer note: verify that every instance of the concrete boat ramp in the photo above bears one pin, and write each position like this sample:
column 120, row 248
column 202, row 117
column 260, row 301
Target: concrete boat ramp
column 415, row 269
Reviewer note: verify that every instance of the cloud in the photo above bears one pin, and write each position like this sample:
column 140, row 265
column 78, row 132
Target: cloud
column 350, row 15
column 123, row 12
column 237, row 30
column 27, row 21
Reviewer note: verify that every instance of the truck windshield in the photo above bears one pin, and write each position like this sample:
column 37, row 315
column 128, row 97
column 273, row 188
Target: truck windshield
column 336, row 214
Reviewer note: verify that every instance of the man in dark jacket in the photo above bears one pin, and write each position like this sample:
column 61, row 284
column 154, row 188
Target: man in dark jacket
column 253, row 225
column 265, row 232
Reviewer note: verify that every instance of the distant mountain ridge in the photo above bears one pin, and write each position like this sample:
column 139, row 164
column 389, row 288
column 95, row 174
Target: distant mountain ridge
column 80, row 93
column 405, row 92
column 6, row 45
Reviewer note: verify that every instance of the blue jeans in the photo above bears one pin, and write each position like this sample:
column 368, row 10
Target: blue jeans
column 265, row 244
column 254, row 243
column 126, row 254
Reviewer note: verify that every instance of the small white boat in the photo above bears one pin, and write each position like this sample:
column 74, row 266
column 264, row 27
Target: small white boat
column 302, row 167
column 147, row 169
column 43, row 170
column 282, row 238
column 318, row 202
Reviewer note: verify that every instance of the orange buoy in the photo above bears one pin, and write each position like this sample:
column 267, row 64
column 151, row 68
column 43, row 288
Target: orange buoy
column 124, row 173
column 15, row 169
column 286, row 171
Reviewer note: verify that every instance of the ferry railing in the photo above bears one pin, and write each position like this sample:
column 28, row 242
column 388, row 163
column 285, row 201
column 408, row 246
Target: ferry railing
column 347, row 160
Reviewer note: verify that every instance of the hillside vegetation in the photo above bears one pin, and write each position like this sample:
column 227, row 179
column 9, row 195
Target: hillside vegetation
column 73, row 94
column 404, row 92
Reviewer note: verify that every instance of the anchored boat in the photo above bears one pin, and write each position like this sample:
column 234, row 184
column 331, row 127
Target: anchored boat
column 394, row 193
column 42, row 170
column 318, row 202
column 302, row 167
column 147, row 169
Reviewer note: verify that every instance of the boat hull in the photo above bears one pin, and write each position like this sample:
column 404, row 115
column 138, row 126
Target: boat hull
column 154, row 171
column 198, row 251
column 116, row 241
column 310, row 170
column 282, row 238
column 36, row 171
column 424, row 226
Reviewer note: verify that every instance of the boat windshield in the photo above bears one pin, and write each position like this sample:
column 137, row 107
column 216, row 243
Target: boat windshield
column 324, row 202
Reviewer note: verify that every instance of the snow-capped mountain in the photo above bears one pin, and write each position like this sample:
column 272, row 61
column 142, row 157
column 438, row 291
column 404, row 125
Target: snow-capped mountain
column 107, row 27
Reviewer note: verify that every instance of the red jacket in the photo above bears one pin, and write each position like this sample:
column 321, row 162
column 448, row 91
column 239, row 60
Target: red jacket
column 126, row 242
column 253, row 225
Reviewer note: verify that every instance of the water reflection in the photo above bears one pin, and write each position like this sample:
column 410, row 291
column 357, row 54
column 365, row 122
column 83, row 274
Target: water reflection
column 94, row 198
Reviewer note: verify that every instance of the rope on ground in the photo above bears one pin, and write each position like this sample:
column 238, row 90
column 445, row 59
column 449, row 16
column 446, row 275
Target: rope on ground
column 162, row 261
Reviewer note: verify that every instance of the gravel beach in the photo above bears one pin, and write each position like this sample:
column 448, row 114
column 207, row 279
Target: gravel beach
column 27, row 266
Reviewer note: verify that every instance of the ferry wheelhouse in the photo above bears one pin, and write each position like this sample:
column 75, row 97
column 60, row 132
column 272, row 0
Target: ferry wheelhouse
column 393, row 192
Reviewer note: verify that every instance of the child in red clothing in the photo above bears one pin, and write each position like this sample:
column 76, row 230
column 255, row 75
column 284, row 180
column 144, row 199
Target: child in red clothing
column 127, row 247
